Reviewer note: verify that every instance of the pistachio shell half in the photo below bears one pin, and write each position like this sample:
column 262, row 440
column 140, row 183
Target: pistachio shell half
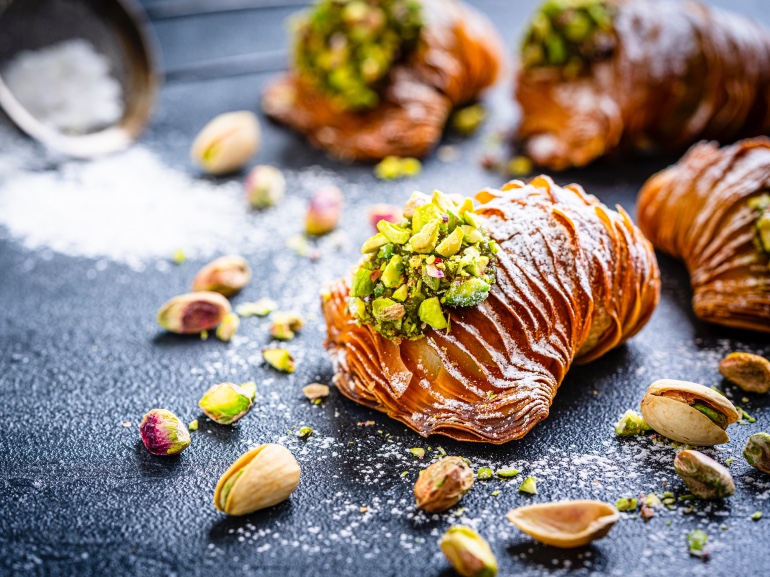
column 260, row 478
column 565, row 524
column 688, row 412
column 227, row 142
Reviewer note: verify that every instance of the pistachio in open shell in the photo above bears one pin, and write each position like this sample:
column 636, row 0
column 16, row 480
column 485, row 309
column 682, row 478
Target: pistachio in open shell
column 227, row 142
column 565, row 524
column 688, row 412
column 705, row 478
column 260, row 478
column 750, row 372
column 757, row 452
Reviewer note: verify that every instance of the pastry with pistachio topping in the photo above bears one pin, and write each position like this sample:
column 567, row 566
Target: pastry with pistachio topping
column 415, row 272
column 710, row 211
column 599, row 76
column 361, row 68
column 464, row 317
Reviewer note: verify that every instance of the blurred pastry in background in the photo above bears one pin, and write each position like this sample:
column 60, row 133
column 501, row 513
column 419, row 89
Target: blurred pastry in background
column 597, row 76
column 712, row 210
column 377, row 78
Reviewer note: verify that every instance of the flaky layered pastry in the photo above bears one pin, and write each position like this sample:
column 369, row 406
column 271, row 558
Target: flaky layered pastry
column 710, row 210
column 602, row 75
column 573, row 280
column 456, row 55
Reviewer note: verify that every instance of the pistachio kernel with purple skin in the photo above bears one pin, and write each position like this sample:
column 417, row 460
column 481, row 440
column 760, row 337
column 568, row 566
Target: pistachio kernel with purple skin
column 193, row 313
column 163, row 433
column 324, row 211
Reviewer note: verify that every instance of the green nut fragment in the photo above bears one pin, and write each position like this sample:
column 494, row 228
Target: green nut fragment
column 507, row 473
column 392, row 232
column 387, row 310
column 227, row 142
column 763, row 231
column 260, row 308
column 468, row 552
column 193, row 426
column 630, row 424
column 373, row 243
column 484, row 473
column 756, row 516
column 304, row 432
column 178, row 257
column 264, row 187
column 430, row 313
column 315, row 391
column 392, row 275
column 626, row 504
column 279, row 359
column 452, row 244
column 757, row 451
column 467, row 120
column 705, row 478
column 225, row 403
column 394, row 167
column 424, row 242
column 467, row 293
column 529, row 485
column 228, row 327
column 418, row 452
column 362, row 284
column 250, row 388
column 285, row 325
column 696, row 541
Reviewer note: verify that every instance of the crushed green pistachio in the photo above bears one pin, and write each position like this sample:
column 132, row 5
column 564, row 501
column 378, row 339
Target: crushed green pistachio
column 630, row 424
column 347, row 49
column 395, row 167
column 729, row 461
column 696, row 541
column 761, row 204
column 652, row 500
column 519, row 166
column 484, row 473
column 285, row 325
column 228, row 327
column 529, row 485
column 439, row 256
column 495, row 493
column 467, row 120
column 193, row 426
column 405, row 473
column 507, row 472
column 745, row 417
column 756, row 516
column 179, row 257
column 304, row 432
column 418, row 452
column 569, row 35
column 260, row 308
column 279, row 359
column 204, row 335
column 626, row 504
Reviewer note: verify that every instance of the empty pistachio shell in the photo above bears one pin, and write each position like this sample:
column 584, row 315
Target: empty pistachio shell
column 443, row 484
column 226, row 275
column 227, row 142
column 468, row 552
column 688, row 412
column 705, row 478
column 750, row 372
column 163, row 433
column 261, row 478
column 193, row 312
column 565, row 524
column 757, row 451
column 225, row 403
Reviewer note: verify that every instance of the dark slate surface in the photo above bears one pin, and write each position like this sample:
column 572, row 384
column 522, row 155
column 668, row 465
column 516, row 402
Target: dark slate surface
column 79, row 495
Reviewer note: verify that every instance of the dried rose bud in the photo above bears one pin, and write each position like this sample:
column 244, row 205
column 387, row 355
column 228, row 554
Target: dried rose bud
column 324, row 211
column 387, row 212
column 227, row 142
column 163, row 433
column 226, row 275
column 443, row 484
column 264, row 186
column 193, row 313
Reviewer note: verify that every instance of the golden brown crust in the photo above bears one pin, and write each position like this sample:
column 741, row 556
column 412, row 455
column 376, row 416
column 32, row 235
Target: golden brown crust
column 697, row 211
column 458, row 56
column 681, row 72
column 575, row 279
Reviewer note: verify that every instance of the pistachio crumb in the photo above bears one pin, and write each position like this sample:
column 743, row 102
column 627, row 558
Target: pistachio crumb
column 193, row 426
column 507, row 472
column 484, row 473
column 418, row 452
column 304, row 432
column 529, row 485
column 729, row 461
column 179, row 257
column 405, row 473
column 626, row 504
column 364, row 509
column 126, row 423
column 204, row 335
column 495, row 493
column 696, row 541
column 756, row 516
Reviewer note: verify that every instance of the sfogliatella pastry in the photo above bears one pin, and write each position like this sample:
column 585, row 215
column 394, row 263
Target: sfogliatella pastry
column 712, row 210
column 597, row 76
column 377, row 78
column 464, row 321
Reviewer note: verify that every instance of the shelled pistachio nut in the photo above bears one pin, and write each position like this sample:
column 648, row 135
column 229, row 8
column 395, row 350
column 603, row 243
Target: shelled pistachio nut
column 265, row 186
column 688, row 412
column 163, row 433
column 226, row 275
column 225, row 403
column 228, row 327
column 565, row 524
column 324, row 211
column 757, row 451
column 443, row 484
column 260, row 478
column 227, row 142
column 705, row 478
column 468, row 552
column 193, row 313
column 750, row 372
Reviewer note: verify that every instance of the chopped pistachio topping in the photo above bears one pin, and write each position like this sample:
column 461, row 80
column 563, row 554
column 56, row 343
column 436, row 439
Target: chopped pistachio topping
column 228, row 327
column 250, row 388
column 570, row 35
column 529, row 485
column 626, row 504
column 467, row 120
column 630, row 424
column 347, row 48
column 761, row 204
column 696, row 541
column 439, row 256
column 418, row 452
column 484, row 473
column 495, row 493
column 304, row 432
column 395, row 167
